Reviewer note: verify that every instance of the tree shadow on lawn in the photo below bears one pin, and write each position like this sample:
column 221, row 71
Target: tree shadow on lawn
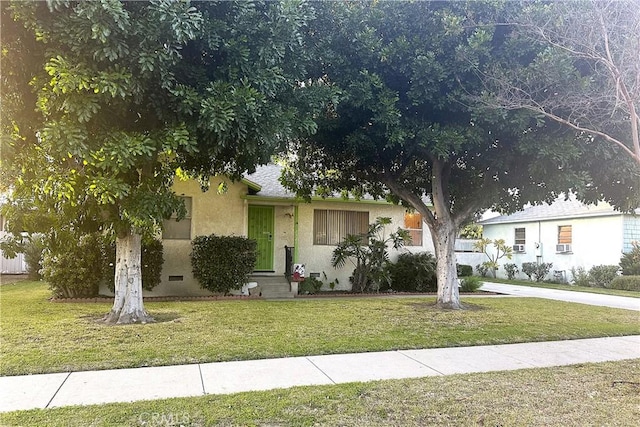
column 431, row 306
column 161, row 317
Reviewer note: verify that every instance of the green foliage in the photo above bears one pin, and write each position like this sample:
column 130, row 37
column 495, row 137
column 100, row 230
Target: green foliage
column 482, row 269
column 535, row 271
column 310, row 286
column 501, row 249
column 222, row 263
column 74, row 269
column 601, row 276
column 369, row 255
column 413, row 273
column 627, row 283
column 470, row 284
column 630, row 261
column 464, row 270
column 580, row 276
column 471, row 231
column 511, row 270
column 529, row 268
column 33, row 250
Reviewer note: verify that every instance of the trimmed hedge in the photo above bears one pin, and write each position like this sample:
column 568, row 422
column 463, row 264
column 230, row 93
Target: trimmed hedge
column 626, row 283
column 464, row 270
column 222, row 263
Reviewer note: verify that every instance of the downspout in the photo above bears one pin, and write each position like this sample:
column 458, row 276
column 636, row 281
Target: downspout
column 295, row 234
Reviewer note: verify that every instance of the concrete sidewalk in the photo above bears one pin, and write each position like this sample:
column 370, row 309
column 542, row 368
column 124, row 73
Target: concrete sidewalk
column 127, row 385
column 613, row 301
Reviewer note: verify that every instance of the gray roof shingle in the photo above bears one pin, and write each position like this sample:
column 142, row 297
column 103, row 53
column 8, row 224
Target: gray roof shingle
column 559, row 209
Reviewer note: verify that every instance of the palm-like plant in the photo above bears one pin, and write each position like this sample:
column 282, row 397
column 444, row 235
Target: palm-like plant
column 369, row 254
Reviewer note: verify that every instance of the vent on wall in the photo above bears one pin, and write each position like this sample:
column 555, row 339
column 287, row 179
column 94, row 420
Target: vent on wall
column 518, row 248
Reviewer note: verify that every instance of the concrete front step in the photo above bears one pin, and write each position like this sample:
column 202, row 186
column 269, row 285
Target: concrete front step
column 273, row 287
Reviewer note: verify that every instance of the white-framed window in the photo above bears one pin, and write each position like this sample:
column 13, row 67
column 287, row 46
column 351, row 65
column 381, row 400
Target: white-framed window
column 330, row 227
column 178, row 230
column 413, row 224
column 520, row 236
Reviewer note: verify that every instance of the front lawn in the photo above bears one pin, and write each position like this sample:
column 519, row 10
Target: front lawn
column 39, row 336
column 603, row 394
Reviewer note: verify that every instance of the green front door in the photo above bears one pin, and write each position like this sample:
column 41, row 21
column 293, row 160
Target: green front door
column 261, row 230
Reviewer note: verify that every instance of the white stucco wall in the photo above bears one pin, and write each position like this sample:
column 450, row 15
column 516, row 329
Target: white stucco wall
column 595, row 241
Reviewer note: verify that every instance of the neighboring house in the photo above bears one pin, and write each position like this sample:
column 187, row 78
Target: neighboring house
column 15, row 265
column 260, row 208
column 566, row 233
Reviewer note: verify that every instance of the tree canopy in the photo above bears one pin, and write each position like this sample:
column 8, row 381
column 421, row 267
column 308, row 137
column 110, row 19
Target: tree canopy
column 409, row 126
column 107, row 100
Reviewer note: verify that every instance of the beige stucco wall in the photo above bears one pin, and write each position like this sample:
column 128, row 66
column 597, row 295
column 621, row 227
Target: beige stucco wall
column 212, row 212
column 595, row 241
column 317, row 258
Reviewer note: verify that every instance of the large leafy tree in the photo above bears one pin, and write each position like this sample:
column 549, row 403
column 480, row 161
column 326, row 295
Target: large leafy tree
column 408, row 125
column 106, row 100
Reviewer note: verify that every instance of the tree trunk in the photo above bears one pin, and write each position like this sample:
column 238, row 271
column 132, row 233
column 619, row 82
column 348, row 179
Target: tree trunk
column 444, row 237
column 128, row 306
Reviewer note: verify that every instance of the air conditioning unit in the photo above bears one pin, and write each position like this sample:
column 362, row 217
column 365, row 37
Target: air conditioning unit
column 563, row 248
column 518, row 248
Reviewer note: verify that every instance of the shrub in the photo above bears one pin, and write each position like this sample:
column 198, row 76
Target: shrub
column 626, row 283
column 33, row 254
column 222, row 263
column 511, row 270
column 413, row 273
column 310, row 285
column 482, row 269
column 151, row 259
column 580, row 276
column 470, row 284
column 535, row 271
column 529, row 268
column 74, row 269
column 601, row 276
column 542, row 270
column 630, row 262
column 464, row 270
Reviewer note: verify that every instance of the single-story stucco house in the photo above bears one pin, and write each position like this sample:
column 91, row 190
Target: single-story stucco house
column 259, row 207
column 567, row 233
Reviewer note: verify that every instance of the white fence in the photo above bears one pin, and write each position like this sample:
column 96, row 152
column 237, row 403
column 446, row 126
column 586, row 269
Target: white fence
column 12, row 266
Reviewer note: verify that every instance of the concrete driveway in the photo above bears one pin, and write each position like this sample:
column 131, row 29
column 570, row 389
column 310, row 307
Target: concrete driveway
column 613, row 301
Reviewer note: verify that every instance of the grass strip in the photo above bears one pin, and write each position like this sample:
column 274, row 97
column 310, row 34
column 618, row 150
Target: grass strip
column 590, row 394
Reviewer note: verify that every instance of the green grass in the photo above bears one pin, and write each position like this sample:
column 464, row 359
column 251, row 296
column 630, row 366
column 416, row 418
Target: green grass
column 39, row 336
column 618, row 292
column 603, row 394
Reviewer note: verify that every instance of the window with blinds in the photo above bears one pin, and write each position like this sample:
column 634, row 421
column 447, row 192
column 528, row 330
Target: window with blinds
column 172, row 229
column 520, row 236
column 564, row 234
column 413, row 224
column 330, row 227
